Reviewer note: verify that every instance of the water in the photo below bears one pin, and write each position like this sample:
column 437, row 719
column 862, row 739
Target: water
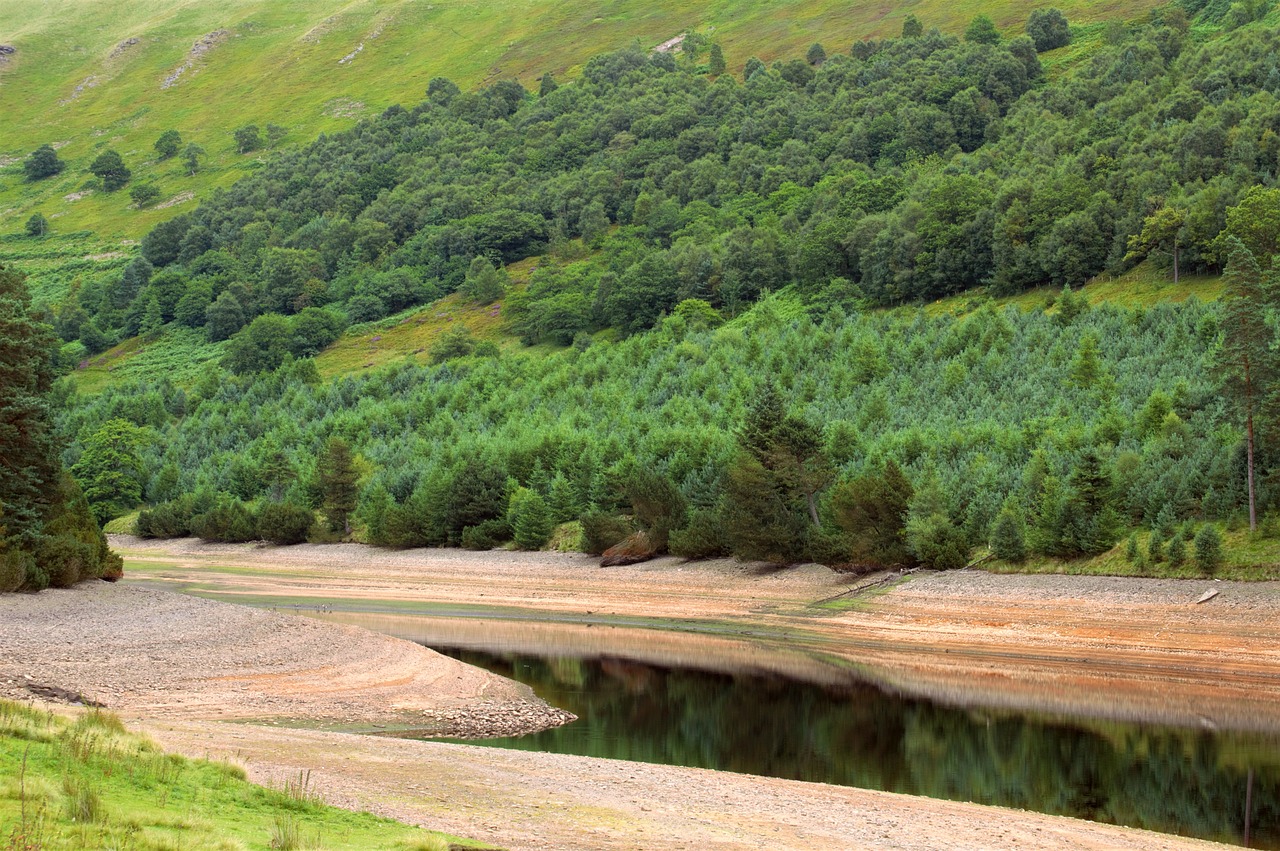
column 1172, row 780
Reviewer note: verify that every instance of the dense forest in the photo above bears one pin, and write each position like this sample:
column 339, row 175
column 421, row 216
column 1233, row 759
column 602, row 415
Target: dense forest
column 720, row 260
column 911, row 169
column 47, row 535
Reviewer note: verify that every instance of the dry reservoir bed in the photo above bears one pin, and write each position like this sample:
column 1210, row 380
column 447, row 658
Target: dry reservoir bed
column 178, row 662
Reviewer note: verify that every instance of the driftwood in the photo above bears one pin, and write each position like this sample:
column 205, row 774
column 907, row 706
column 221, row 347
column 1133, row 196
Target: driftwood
column 1208, row 595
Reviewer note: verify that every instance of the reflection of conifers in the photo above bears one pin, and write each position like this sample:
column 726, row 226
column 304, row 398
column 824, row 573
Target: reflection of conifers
column 1163, row 779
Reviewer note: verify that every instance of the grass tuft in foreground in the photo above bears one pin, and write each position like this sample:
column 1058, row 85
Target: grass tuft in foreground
column 88, row 782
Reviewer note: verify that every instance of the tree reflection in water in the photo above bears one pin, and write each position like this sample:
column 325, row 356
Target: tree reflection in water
column 1166, row 779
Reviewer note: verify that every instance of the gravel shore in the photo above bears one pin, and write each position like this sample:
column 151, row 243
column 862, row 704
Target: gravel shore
column 150, row 654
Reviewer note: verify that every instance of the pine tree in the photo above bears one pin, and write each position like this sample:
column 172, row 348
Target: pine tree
column 1246, row 362
column 1155, row 547
column 1176, row 552
column 28, row 467
column 1208, row 545
column 337, row 477
column 530, row 519
column 715, row 64
column 872, row 510
column 1008, row 537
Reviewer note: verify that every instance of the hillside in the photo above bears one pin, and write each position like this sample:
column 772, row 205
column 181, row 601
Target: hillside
column 821, row 309
column 90, row 74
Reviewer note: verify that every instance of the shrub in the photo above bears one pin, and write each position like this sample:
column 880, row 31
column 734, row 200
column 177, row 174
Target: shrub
column 227, row 522
column 601, row 531
column 15, row 566
column 702, row 537
column 65, row 559
column 284, row 523
column 486, row 535
column 166, row 520
column 1176, row 552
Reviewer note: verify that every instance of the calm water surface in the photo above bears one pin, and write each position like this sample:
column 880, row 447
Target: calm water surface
column 1172, row 780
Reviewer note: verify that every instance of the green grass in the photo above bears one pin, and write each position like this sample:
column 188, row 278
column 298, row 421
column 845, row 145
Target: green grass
column 1247, row 557
column 89, row 783
column 179, row 353
column 1143, row 286
column 280, row 62
column 125, row 525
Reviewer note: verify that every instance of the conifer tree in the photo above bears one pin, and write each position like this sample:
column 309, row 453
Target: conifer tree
column 28, row 468
column 530, row 519
column 1008, row 537
column 1246, row 362
column 1208, row 548
column 337, row 478
column 716, row 63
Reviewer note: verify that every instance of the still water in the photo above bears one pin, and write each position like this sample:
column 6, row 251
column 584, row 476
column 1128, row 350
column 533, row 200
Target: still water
column 1172, row 780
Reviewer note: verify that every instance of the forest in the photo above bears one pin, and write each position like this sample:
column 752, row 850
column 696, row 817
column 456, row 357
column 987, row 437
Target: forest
column 730, row 354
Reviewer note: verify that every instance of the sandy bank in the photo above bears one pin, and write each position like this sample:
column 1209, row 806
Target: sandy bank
column 150, row 654
column 1125, row 648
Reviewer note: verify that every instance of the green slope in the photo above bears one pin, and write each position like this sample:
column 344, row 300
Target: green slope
column 77, row 82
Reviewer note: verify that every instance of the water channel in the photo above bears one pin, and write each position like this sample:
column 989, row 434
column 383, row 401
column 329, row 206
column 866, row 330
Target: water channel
column 1168, row 779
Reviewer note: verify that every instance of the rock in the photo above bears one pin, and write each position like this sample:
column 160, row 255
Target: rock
column 633, row 549
column 7, row 50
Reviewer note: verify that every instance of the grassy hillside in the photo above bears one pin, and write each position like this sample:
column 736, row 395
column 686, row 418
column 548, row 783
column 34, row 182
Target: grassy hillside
column 79, row 81
column 89, row 783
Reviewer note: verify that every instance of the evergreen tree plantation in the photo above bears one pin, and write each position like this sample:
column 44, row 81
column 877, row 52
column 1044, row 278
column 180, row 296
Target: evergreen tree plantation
column 723, row 344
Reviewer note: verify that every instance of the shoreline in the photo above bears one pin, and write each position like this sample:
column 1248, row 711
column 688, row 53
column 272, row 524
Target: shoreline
column 1118, row 648
column 525, row 800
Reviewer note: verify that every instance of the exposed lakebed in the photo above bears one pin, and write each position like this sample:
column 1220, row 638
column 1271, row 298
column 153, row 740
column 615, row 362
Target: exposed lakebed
column 1173, row 780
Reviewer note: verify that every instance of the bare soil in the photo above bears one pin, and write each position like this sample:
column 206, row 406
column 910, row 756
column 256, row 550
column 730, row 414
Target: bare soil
column 1108, row 647
column 1134, row 649
column 154, row 654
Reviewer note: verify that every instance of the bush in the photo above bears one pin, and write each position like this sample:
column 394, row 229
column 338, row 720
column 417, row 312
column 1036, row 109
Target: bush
column 486, row 535
column 1209, row 555
column 15, row 567
column 166, row 520
column 284, row 523
column 702, row 537
column 65, row 559
column 227, row 522
column 601, row 531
